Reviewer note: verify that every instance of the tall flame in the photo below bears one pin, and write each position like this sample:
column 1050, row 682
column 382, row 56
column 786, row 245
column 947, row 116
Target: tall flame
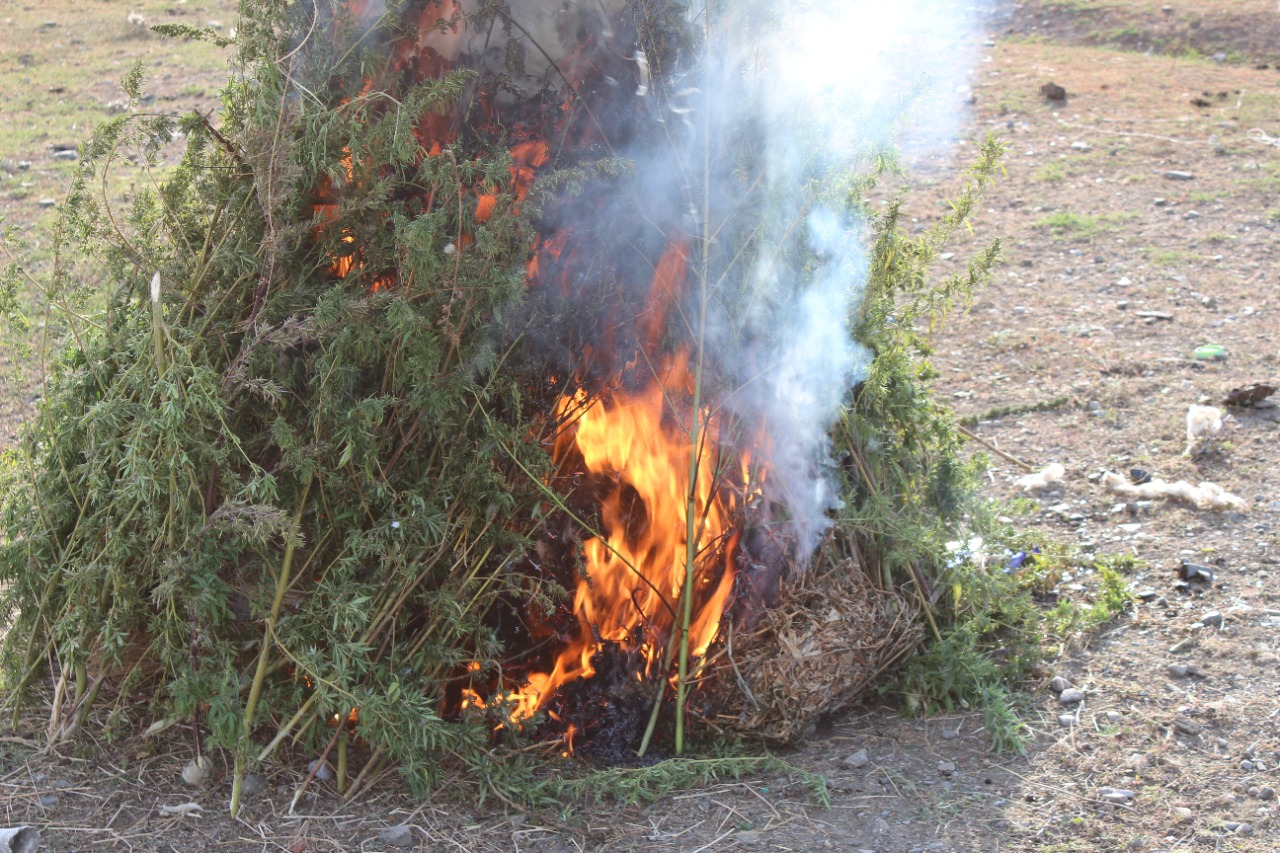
column 634, row 576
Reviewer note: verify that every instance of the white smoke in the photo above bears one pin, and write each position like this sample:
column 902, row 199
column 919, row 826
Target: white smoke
column 826, row 84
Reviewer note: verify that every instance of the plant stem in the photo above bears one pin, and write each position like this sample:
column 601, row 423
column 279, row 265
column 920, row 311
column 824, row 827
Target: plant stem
column 264, row 655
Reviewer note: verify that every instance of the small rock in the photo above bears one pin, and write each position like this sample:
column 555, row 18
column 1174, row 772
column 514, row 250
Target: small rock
column 252, row 784
column 321, row 769
column 24, row 165
column 1160, row 202
column 1178, row 670
column 1174, row 175
column 1246, row 766
column 747, row 837
column 1266, row 792
column 397, row 836
column 1059, row 684
column 1186, row 725
column 1114, row 717
column 950, row 734
column 1238, row 828
column 47, row 801
column 1119, row 796
column 48, row 202
column 1190, row 215
column 946, row 768
column 1182, row 814
column 1081, row 146
column 65, row 155
column 1071, row 696
column 1212, row 619
column 858, row 759
column 1066, row 720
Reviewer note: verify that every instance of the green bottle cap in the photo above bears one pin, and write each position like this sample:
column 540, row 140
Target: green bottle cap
column 1210, row 352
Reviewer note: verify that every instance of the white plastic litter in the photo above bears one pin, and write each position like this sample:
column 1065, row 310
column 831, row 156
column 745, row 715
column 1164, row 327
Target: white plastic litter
column 1203, row 496
column 181, row 810
column 1203, row 422
column 1051, row 475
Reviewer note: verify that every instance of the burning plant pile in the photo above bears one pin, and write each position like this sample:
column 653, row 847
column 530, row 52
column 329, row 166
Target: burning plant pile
column 493, row 371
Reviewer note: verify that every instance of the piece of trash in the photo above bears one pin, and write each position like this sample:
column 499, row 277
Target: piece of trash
column 1203, row 422
column 1249, row 395
column 1190, row 571
column 1210, row 352
column 1204, row 496
column 19, row 839
column 1050, row 475
column 159, row 725
column 972, row 551
column 182, row 810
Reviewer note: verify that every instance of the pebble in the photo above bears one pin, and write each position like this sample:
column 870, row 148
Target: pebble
column 1185, row 670
column 252, row 784
column 1174, row 175
column 47, row 801
column 1071, row 696
column 858, row 759
column 397, row 836
column 1059, row 684
column 747, row 837
column 1114, row 717
column 1186, row 725
column 950, row 734
column 1066, row 720
column 1237, row 827
column 946, row 768
column 1211, row 620
column 1190, row 215
column 1183, row 814
column 48, row 202
column 1246, row 766
column 1266, row 792
column 65, row 155
column 1116, row 795
column 1081, row 146
column 321, row 770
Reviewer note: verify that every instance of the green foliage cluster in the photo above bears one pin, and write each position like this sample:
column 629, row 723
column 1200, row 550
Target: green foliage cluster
column 269, row 493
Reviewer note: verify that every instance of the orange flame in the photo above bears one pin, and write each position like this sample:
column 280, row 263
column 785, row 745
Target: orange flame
column 635, row 571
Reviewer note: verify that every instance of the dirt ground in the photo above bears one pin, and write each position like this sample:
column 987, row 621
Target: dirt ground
column 1139, row 221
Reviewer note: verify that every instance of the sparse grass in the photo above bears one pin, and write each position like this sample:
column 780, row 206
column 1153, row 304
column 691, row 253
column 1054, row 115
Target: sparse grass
column 1206, row 197
column 1171, row 257
column 1219, row 237
column 1273, row 215
column 1053, row 172
column 1079, row 226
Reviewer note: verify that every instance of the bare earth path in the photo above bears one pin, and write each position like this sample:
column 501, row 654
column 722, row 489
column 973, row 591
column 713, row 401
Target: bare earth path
column 1140, row 222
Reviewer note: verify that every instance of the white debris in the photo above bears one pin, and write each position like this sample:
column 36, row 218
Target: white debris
column 181, row 810
column 1204, row 496
column 196, row 773
column 1203, row 422
column 1051, row 475
column 134, row 19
